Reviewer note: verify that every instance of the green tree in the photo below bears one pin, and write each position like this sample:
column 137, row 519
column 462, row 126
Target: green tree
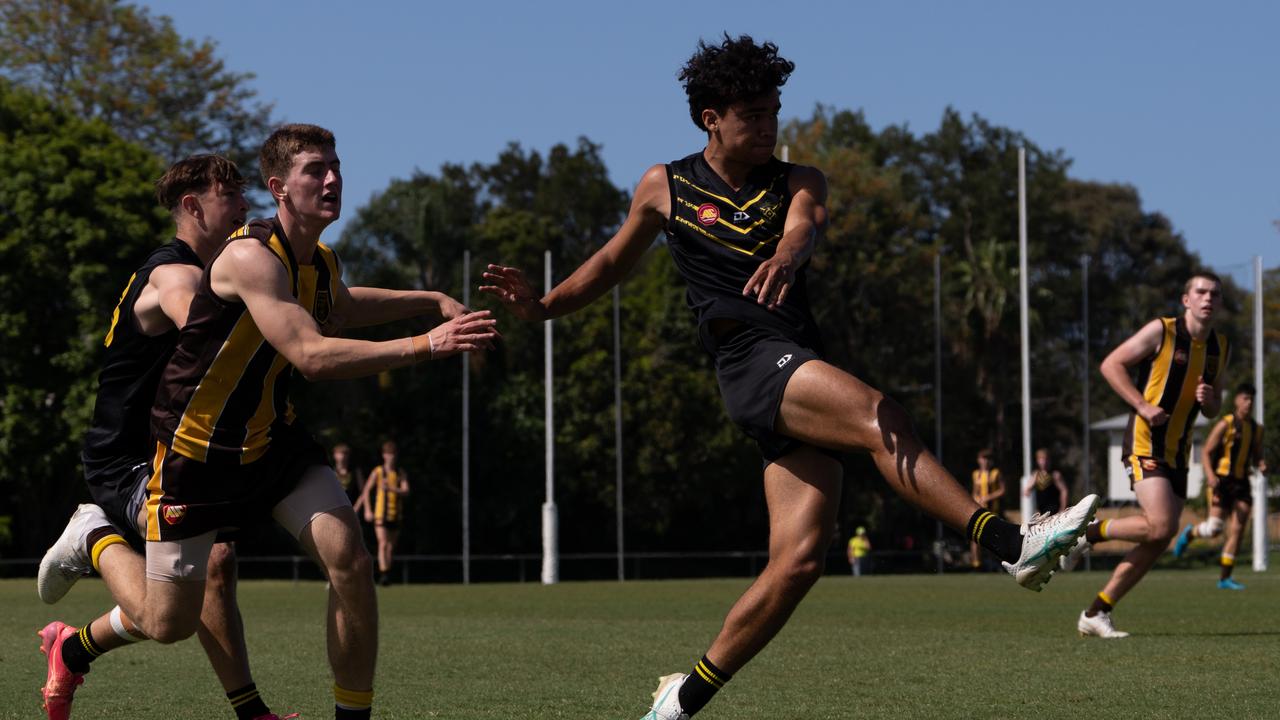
column 110, row 60
column 77, row 212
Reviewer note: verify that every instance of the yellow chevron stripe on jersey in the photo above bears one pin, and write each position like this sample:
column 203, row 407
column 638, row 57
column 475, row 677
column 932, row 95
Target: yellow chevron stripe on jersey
column 722, row 198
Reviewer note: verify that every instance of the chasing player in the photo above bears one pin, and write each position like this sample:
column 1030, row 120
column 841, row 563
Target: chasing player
column 741, row 227
column 1233, row 448
column 1181, row 362
column 204, row 194
column 231, row 451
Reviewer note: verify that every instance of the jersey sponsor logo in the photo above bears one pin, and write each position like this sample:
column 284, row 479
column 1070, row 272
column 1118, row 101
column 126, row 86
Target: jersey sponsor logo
column 740, row 216
column 782, row 361
column 1180, row 356
column 768, row 210
column 708, row 214
column 174, row 514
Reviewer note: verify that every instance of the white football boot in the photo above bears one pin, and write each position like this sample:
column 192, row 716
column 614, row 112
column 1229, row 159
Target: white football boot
column 666, row 699
column 1047, row 538
column 1099, row 626
column 1073, row 557
column 68, row 559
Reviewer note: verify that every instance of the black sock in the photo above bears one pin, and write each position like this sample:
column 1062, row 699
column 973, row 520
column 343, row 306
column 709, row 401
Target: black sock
column 701, row 685
column 247, row 702
column 1101, row 604
column 79, row 650
column 999, row 536
column 341, row 713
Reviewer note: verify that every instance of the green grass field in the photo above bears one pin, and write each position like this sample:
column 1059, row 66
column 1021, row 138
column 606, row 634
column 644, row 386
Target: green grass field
column 878, row 647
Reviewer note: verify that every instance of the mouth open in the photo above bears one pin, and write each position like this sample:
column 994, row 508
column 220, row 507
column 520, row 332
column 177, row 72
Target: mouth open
column 330, row 197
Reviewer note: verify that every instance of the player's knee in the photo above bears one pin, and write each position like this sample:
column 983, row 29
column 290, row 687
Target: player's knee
column 353, row 564
column 170, row 628
column 1161, row 529
column 802, row 572
column 222, row 569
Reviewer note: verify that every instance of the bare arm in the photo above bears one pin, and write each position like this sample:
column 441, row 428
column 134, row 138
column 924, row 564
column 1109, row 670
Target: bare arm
column 1259, row 457
column 603, row 270
column 1210, row 396
column 1115, row 370
column 806, row 221
column 251, row 274
column 1063, row 492
column 1211, row 444
column 164, row 303
column 404, row 484
column 365, row 306
column 364, row 494
column 998, row 491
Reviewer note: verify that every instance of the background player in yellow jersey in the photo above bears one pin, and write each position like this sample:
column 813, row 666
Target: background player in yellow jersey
column 204, row 195
column 383, row 503
column 988, row 488
column 741, row 226
column 1181, row 363
column 1233, row 448
column 859, row 548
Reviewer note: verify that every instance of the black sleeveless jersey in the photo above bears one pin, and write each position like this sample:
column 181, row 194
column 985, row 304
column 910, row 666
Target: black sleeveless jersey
column 718, row 237
column 120, row 435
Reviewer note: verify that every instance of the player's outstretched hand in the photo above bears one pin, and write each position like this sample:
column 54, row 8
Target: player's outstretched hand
column 772, row 280
column 450, row 308
column 511, row 287
column 466, row 333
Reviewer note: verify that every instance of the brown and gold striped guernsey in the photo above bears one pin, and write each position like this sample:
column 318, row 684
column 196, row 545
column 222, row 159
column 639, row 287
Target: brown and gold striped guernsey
column 1168, row 379
column 226, row 387
column 1234, row 456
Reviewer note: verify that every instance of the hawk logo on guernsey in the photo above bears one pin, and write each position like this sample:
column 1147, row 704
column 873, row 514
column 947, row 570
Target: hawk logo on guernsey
column 174, row 514
column 322, row 306
column 1180, row 357
column 708, row 214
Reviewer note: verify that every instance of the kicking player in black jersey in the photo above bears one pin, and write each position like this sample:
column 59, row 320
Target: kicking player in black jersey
column 741, row 226
column 204, row 193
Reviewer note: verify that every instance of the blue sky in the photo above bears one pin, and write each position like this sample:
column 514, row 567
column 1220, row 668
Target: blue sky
column 1179, row 99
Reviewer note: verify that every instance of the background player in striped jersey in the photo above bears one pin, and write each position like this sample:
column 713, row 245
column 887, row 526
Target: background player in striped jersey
column 1233, row 448
column 1181, row 363
column 204, row 194
column 383, row 503
column 741, row 226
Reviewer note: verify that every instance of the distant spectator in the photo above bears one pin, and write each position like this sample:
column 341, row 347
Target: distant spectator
column 859, row 548
column 1048, row 485
column 352, row 480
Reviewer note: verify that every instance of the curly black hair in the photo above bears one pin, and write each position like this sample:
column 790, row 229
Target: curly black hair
column 737, row 69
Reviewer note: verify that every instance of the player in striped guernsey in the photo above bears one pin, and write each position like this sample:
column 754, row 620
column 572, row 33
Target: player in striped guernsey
column 203, row 193
column 231, row 451
column 741, row 226
column 388, row 484
column 1181, row 362
column 1232, row 450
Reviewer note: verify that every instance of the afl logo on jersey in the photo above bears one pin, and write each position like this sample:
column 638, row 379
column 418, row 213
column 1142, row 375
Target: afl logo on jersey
column 174, row 514
column 1180, row 356
column 708, row 214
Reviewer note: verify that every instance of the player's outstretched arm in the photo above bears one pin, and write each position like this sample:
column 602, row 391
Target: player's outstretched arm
column 365, row 306
column 603, row 270
column 250, row 273
column 1211, row 444
column 164, row 303
column 1115, row 370
column 806, row 221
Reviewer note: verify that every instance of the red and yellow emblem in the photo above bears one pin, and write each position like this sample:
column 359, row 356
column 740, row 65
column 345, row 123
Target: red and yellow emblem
column 1180, row 356
column 708, row 214
column 174, row 514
